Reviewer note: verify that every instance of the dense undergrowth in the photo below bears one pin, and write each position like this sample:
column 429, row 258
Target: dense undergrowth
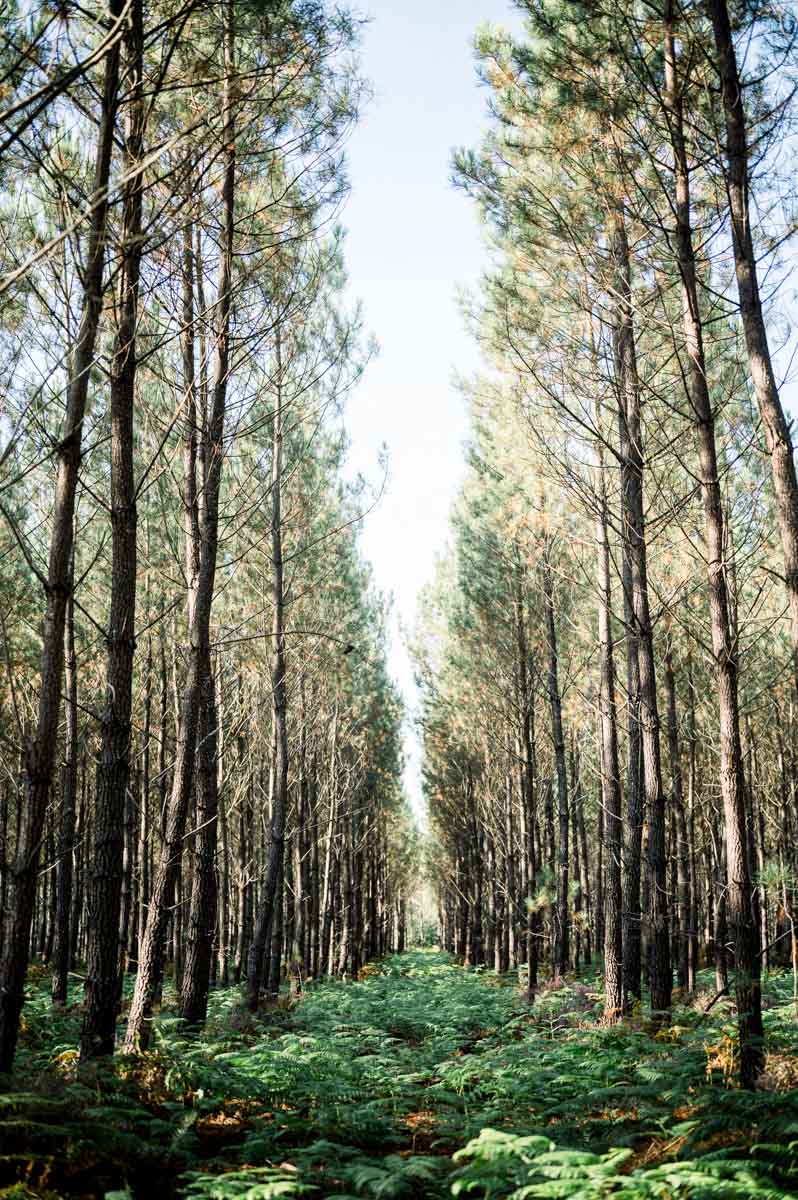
column 422, row 1080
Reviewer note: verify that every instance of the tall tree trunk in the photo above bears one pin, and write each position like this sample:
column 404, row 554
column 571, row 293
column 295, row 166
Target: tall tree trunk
column 223, row 923
column 201, row 924
column 326, row 899
column 244, row 883
column 527, row 787
column 506, row 896
column 106, row 878
column 585, row 881
column 66, row 836
column 279, row 710
column 81, row 823
column 347, row 894
column 144, row 806
column 475, row 873
column 298, row 847
column 610, row 767
column 683, row 889
column 129, row 876
column 740, row 900
column 576, row 797
column 201, row 920
column 561, row 925
column 692, row 783
column 200, row 598
column 272, row 968
column 40, row 756
column 635, row 554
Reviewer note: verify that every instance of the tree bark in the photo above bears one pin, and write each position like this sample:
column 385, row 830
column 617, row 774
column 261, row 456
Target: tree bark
column 683, row 883
column 740, row 903
column 326, row 898
column 610, row 767
column 201, row 924
column 527, row 788
column 105, row 882
column 66, row 838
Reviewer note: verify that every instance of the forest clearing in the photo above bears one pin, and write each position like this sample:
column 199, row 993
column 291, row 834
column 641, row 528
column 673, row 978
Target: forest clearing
column 249, row 776
column 422, row 1080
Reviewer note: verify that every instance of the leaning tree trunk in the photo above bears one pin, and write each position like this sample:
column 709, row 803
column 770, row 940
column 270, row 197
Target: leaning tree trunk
column 105, row 879
column 740, row 907
column 40, row 756
column 777, row 428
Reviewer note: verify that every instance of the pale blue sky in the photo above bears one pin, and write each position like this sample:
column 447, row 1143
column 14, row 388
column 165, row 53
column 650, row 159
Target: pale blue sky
column 412, row 240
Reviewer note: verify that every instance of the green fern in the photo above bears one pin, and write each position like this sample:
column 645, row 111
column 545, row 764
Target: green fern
column 423, row 1081
column 254, row 1183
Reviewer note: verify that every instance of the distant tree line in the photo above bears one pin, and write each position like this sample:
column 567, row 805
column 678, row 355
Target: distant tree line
column 608, row 656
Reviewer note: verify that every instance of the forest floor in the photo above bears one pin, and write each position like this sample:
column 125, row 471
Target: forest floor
column 421, row 1080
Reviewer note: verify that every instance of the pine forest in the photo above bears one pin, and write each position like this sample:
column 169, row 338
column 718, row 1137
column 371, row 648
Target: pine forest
column 275, row 921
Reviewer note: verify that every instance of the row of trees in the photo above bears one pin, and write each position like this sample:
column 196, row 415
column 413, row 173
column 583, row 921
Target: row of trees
column 201, row 744
column 620, row 594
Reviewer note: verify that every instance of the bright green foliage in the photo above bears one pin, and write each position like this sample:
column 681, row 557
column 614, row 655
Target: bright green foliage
column 497, row 1163
column 421, row 1080
column 262, row 1183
